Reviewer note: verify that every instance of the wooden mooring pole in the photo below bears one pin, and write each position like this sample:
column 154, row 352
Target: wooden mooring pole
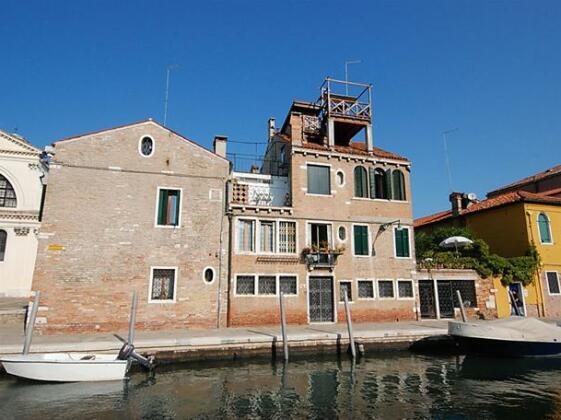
column 132, row 318
column 283, row 327
column 349, row 325
column 462, row 309
column 31, row 323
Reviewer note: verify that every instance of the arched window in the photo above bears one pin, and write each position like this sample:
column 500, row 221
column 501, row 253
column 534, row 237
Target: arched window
column 398, row 185
column 3, row 240
column 382, row 181
column 361, row 182
column 545, row 229
column 7, row 193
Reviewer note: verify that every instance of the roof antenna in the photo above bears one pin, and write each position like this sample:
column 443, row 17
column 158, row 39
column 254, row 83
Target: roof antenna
column 169, row 69
column 347, row 74
column 445, row 141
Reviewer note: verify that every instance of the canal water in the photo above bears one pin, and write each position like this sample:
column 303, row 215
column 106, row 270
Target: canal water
column 384, row 386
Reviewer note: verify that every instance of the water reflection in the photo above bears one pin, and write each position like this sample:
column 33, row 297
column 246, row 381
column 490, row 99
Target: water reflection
column 383, row 386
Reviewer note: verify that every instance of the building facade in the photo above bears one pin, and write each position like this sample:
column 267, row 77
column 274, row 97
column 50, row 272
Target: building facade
column 327, row 214
column 22, row 177
column 137, row 207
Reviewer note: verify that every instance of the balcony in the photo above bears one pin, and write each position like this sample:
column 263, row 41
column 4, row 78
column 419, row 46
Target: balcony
column 321, row 259
column 259, row 190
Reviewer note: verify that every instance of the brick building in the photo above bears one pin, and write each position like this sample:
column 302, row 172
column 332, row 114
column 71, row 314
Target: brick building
column 137, row 207
column 328, row 213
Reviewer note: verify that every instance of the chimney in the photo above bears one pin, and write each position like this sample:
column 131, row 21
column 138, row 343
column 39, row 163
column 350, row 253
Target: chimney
column 271, row 128
column 456, row 200
column 220, row 145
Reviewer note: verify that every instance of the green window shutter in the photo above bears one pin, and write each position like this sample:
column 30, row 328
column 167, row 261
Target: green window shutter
column 402, row 242
column 177, row 208
column 389, row 184
column 358, row 183
column 162, row 207
column 372, row 179
column 361, row 240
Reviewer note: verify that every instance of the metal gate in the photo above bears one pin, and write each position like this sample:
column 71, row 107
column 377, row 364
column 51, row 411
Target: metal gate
column 320, row 295
column 445, row 299
column 426, row 298
column 448, row 300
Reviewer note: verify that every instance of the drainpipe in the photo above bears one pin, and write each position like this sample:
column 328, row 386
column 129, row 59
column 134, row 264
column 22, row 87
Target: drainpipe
column 219, row 297
column 229, row 271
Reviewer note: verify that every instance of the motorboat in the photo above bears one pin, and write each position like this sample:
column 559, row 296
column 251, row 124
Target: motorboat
column 66, row 367
column 515, row 336
column 74, row 367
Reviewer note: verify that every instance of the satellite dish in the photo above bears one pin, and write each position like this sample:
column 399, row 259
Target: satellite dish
column 472, row 196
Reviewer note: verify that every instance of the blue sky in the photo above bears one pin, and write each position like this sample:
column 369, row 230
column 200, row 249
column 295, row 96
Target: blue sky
column 490, row 68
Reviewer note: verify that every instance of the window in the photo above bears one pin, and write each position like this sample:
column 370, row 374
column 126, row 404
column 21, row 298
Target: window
column 3, row 241
column 401, row 236
column 345, row 287
column 552, row 282
column 342, row 233
column 398, row 185
column 169, row 206
column 340, row 178
column 381, row 184
column 267, row 285
column 288, row 285
column 163, row 284
column 360, row 240
column 361, row 183
column 366, row 289
column 318, row 180
column 320, row 235
column 267, row 236
column 385, row 289
column 208, row 275
column 246, row 235
column 544, row 228
column 146, row 146
column 404, row 289
column 245, row 285
column 7, row 193
column 287, row 237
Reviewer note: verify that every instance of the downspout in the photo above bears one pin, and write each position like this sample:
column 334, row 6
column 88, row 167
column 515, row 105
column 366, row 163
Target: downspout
column 219, row 297
column 229, row 275
column 538, row 275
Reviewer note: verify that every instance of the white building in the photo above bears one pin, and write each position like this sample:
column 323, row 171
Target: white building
column 22, row 176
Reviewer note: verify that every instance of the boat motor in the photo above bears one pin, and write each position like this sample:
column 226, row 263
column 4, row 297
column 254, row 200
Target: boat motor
column 127, row 352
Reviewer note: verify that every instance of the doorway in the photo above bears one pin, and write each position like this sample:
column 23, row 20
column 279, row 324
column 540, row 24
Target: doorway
column 320, row 298
column 427, row 300
column 518, row 294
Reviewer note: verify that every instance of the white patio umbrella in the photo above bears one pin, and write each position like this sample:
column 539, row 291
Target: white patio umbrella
column 455, row 242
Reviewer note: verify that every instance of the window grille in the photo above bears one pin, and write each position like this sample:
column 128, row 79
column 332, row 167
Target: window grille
column 385, row 289
column 345, row 287
column 163, row 284
column 287, row 237
column 288, row 285
column 365, row 289
column 405, row 289
column 245, row 285
column 267, row 285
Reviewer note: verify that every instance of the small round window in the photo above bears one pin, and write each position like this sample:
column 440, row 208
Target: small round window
column 146, row 146
column 208, row 274
column 340, row 178
column 342, row 233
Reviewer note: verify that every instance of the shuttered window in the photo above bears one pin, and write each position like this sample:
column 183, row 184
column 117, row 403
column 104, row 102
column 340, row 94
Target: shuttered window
column 169, row 202
column 398, row 185
column 287, row 237
column 360, row 240
column 318, row 180
column 361, row 182
column 402, row 243
column 544, row 228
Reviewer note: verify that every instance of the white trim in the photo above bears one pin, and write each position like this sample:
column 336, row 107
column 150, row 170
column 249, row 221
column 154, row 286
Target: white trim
column 258, row 237
column 558, row 284
column 256, row 241
column 208, row 267
column 256, row 284
column 331, row 192
column 308, row 299
column 346, row 233
column 279, row 275
column 548, row 227
column 369, row 251
column 158, row 189
column 374, row 294
column 236, row 284
column 378, row 289
column 409, row 244
column 253, row 240
column 412, row 289
column 296, row 252
column 140, row 145
column 340, row 301
column 318, row 222
column 175, row 281
column 337, row 172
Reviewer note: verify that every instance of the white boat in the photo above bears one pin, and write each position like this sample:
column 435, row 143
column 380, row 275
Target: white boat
column 66, row 367
column 514, row 336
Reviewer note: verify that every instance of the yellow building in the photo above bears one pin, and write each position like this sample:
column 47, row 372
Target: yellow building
column 510, row 223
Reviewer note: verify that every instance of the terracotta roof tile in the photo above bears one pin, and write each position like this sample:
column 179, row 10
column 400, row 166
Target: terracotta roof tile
column 356, row 149
column 541, row 175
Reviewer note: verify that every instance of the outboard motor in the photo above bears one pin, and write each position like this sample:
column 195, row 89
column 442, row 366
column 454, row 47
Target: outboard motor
column 127, row 352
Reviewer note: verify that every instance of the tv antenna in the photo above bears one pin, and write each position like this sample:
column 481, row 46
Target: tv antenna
column 445, row 141
column 347, row 73
column 169, row 69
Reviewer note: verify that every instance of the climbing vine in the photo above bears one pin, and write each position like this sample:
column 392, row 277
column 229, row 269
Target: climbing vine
column 476, row 256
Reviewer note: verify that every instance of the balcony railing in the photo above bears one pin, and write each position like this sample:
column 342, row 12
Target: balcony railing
column 321, row 259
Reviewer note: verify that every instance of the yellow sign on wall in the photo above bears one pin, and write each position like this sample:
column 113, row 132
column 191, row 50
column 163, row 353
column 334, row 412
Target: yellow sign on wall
column 56, row 247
